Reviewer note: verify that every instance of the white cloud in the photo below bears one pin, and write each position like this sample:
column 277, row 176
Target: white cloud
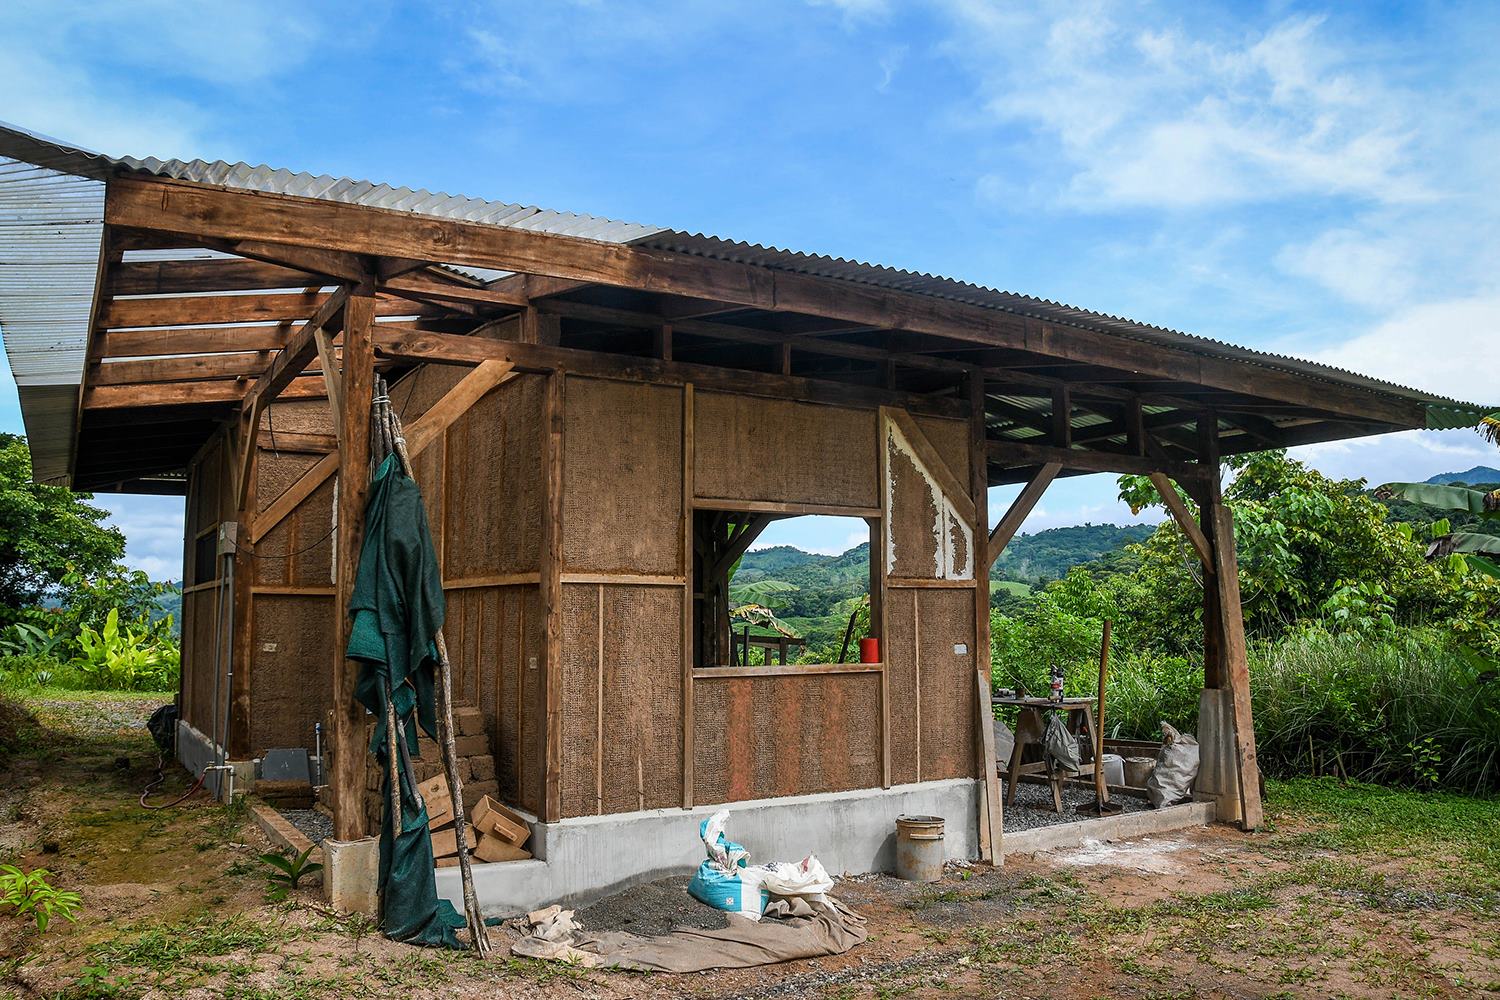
column 153, row 531
column 1142, row 113
column 1445, row 347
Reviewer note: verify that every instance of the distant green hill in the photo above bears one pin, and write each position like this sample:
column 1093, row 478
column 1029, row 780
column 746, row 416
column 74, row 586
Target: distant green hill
column 1048, row 555
column 1479, row 475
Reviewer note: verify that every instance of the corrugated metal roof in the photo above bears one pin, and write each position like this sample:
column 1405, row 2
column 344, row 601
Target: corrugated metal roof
column 57, row 201
column 51, row 226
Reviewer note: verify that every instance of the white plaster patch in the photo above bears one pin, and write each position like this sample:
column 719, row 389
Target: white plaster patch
column 1145, row 855
column 946, row 564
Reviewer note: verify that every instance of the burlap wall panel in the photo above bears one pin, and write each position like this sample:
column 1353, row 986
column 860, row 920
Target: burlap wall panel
column 291, row 670
column 950, row 438
column 958, row 544
column 411, row 397
column 948, row 694
column 299, row 549
column 581, row 707
column 752, row 448
column 622, row 468
column 763, row 737
column 533, row 700
column 493, row 506
column 198, row 659
column 297, row 416
column 206, row 476
column 914, row 549
column 642, row 697
column 899, row 650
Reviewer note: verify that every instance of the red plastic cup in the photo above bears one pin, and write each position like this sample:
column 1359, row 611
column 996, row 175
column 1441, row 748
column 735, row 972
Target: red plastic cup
column 869, row 651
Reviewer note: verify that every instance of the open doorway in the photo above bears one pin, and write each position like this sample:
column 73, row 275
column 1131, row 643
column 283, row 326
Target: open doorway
column 803, row 599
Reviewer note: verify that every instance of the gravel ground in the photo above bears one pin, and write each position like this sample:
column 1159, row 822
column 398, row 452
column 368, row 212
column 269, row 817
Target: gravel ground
column 1033, row 806
column 314, row 824
column 651, row 910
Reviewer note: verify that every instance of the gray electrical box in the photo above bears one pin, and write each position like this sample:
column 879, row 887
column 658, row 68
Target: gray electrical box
column 229, row 536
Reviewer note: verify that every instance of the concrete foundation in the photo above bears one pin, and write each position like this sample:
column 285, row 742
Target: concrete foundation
column 196, row 751
column 351, row 875
column 1121, row 827
column 1218, row 767
column 579, row 860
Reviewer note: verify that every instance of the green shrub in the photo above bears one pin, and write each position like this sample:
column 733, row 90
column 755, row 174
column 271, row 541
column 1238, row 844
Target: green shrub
column 29, row 894
column 29, row 670
column 1407, row 708
column 116, row 658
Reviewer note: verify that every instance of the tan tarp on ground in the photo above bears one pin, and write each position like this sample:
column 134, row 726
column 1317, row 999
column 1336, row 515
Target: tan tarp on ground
column 791, row 929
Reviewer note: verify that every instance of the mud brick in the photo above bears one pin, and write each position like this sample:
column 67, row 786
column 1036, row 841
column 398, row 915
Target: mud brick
column 464, row 771
column 471, row 746
column 479, row 789
column 427, row 770
column 468, row 721
column 481, row 768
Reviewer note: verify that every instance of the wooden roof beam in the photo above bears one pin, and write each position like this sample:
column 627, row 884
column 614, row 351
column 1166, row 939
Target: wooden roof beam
column 177, row 206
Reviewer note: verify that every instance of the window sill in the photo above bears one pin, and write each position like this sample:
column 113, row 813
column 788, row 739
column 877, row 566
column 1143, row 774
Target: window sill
column 790, row 670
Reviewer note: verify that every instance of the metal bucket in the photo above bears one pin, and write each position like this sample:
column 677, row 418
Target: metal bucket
column 1137, row 770
column 919, row 848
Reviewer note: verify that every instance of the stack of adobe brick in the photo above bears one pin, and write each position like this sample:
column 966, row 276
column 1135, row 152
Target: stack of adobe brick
column 476, row 765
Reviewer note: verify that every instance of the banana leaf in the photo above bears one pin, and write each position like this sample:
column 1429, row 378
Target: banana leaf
column 1446, row 497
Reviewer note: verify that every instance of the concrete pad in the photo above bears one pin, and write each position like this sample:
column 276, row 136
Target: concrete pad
column 1107, row 828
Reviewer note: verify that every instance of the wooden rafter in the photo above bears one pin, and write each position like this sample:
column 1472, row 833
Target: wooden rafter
column 183, row 207
column 1184, row 519
column 1019, row 510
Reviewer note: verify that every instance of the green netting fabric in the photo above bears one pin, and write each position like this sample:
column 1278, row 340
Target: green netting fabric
column 397, row 609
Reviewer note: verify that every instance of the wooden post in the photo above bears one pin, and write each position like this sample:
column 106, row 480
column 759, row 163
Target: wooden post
column 551, row 587
column 688, row 719
column 347, row 779
column 237, row 740
column 1236, row 665
column 992, row 819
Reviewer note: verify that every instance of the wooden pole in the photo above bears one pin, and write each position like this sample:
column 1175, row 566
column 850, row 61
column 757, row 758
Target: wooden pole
column 551, row 594
column 992, row 822
column 346, row 739
column 1236, row 665
column 1101, row 792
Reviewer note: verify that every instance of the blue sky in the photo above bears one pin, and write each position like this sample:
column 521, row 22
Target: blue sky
column 1311, row 179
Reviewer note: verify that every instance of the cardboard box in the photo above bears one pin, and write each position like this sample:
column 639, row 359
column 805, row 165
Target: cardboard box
column 489, row 816
column 491, row 849
column 445, row 842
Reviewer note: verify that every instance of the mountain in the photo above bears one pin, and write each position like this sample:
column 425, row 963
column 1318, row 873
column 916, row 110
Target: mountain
column 1048, row 555
column 1480, row 474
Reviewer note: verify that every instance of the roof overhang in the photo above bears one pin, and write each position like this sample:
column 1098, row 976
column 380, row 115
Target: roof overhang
column 138, row 292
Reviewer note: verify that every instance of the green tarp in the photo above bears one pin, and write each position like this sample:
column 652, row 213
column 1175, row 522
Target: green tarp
column 397, row 609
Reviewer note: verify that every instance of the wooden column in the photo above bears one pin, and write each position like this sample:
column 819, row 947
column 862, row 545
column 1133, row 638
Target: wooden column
column 237, row 746
column 551, row 587
column 347, row 738
column 992, row 820
column 1235, row 663
column 688, row 719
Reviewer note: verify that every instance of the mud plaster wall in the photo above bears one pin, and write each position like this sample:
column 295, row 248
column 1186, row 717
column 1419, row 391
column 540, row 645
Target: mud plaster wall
column 931, row 686
column 481, row 485
column 752, row 448
column 291, row 672
column 494, row 637
column 622, row 721
column 493, row 484
column 622, row 478
column 758, row 737
column 925, row 537
column 209, row 498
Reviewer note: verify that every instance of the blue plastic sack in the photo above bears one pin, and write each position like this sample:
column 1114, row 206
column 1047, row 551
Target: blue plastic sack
column 721, row 879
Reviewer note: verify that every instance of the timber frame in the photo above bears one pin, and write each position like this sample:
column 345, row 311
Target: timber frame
column 215, row 302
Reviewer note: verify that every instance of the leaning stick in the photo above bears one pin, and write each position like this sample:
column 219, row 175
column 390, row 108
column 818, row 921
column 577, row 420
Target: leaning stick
column 450, row 750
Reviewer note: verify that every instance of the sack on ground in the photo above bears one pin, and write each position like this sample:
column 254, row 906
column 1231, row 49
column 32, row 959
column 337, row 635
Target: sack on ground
column 1061, row 746
column 1176, row 768
column 724, row 880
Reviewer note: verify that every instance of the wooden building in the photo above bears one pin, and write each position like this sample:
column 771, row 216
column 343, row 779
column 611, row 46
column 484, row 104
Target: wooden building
column 604, row 416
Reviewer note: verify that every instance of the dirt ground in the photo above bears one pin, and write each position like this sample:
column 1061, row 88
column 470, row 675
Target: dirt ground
column 1396, row 896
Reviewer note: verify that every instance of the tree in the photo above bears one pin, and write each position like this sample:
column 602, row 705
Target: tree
column 51, row 540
